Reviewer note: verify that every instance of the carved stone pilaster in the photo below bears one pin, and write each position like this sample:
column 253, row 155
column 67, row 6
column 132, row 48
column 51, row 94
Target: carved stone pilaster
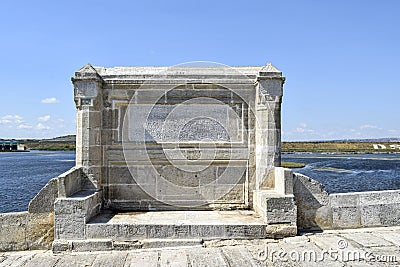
column 269, row 91
column 88, row 100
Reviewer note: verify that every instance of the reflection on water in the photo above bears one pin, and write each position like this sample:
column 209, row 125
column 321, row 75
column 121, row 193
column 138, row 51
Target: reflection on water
column 350, row 172
column 23, row 174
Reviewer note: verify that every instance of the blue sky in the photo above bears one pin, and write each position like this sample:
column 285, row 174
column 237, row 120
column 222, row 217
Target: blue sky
column 341, row 58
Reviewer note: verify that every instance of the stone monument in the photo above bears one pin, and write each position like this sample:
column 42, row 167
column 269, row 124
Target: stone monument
column 186, row 152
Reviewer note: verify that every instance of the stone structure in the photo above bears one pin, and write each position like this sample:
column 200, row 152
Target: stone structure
column 136, row 124
column 185, row 138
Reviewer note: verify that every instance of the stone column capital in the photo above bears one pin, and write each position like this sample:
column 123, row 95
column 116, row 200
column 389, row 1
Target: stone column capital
column 87, row 87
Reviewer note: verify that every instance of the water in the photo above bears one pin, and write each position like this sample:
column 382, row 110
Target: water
column 23, row 174
column 342, row 173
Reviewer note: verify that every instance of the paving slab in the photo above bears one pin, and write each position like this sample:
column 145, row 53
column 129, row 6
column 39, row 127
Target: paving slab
column 238, row 256
column 332, row 241
column 142, row 259
column 207, row 257
column 76, row 260
column 367, row 241
column 176, row 258
column 110, row 259
column 389, row 236
column 46, row 259
column 19, row 258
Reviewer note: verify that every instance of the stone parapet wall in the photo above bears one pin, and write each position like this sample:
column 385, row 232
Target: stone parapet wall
column 34, row 229
column 318, row 210
column 365, row 209
column 26, row 231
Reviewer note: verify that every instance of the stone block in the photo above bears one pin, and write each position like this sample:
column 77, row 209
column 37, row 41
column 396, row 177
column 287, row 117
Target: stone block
column 69, row 227
column 13, row 231
column 280, row 230
column 229, row 193
column 40, row 230
column 206, row 231
column 380, row 215
column 283, row 181
column 280, row 210
column 275, row 208
column 245, row 231
column 43, row 202
column 346, row 217
column 127, row 245
column 103, row 230
column 232, row 174
column 121, row 175
column 109, row 118
column 109, row 137
column 380, row 198
column 69, row 183
column 160, row 231
column 71, row 214
column 60, row 246
column 312, row 200
column 128, row 192
column 344, row 200
column 132, row 231
column 92, row 245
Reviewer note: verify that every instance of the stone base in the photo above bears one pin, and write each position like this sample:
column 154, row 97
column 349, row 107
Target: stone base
column 136, row 230
column 276, row 208
column 61, row 246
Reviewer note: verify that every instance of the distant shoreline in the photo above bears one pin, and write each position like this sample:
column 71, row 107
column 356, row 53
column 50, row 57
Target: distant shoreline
column 287, row 147
column 339, row 147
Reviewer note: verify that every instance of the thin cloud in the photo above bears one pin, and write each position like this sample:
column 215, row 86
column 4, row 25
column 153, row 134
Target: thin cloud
column 50, row 100
column 44, row 118
column 370, row 127
column 41, row 126
column 11, row 119
column 303, row 128
column 24, row 126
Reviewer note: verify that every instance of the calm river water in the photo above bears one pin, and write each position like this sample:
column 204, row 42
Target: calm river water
column 342, row 173
column 23, row 174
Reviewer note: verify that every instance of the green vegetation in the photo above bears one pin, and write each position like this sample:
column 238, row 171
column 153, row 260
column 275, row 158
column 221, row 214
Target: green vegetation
column 43, row 145
column 292, row 165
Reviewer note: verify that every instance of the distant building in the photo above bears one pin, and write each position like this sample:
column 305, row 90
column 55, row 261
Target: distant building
column 12, row 145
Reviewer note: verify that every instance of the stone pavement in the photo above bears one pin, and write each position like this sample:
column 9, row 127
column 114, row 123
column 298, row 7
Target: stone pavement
column 355, row 247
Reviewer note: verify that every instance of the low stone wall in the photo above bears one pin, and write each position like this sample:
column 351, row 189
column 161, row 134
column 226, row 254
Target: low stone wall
column 365, row 209
column 13, row 231
column 24, row 230
column 312, row 200
column 316, row 210
column 34, row 229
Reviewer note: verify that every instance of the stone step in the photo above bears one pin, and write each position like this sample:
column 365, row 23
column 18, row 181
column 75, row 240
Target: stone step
column 204, row 225
column 159, row 229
